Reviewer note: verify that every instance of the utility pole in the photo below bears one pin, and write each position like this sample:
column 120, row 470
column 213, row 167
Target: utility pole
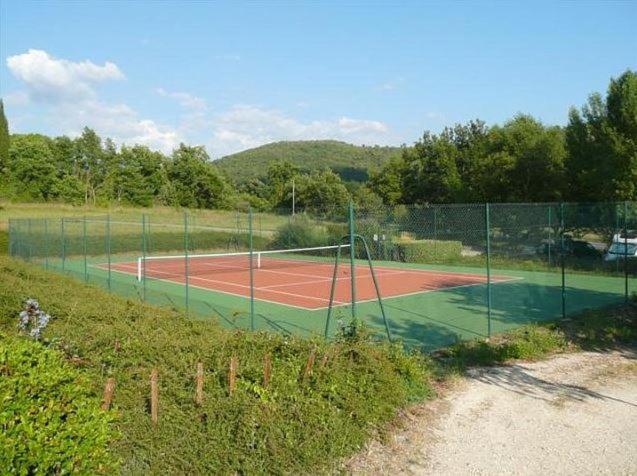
column 293, row 198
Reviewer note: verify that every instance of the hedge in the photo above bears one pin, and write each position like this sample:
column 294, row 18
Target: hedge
column 427, row 251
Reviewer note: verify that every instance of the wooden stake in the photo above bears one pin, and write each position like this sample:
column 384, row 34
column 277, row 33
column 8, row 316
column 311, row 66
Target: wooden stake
column 154, row 397
column 324, row 360
column 199, row 390
column 109, row 390
column 267, row 370
column 232, row 375
column 310, row 364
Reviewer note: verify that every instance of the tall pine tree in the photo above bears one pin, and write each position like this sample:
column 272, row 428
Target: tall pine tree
column 4, row 140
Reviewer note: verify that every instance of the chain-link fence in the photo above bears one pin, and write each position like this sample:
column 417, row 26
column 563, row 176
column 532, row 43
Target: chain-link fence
column 427, row 275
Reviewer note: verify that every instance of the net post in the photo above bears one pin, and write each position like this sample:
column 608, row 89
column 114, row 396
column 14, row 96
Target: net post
column 562, row 258
column 186, row 263
column 46, row 243
column 377, row 287
column 352, row 257
column 84, row 248
column 487, row 226
column 108, row 249
column 251, row 268
column 332, row 291
column 258, row 260
column 626, row 251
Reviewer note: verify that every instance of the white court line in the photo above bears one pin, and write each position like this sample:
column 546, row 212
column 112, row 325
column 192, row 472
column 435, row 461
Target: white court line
column 336, row 303
column 238, row 285
column 325, row 280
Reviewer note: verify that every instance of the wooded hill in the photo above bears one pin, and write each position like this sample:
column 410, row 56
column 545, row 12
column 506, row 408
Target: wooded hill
column 351, row 162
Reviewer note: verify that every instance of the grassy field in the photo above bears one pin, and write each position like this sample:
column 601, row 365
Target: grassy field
column 211, row 218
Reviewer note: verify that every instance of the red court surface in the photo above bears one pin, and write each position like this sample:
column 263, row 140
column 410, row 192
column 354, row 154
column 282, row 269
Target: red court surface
column 302, row 284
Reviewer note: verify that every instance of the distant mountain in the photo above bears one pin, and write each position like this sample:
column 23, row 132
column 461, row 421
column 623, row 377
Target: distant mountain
column 351, row 162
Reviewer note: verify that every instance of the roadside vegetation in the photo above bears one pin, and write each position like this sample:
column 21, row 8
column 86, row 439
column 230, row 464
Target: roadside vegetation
column 296, row 423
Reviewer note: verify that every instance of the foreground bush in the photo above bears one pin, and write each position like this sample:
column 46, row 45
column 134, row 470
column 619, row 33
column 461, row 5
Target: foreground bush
column 50, row 421
column 294, row 425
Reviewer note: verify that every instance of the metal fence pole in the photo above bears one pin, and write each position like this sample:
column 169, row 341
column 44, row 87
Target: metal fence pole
column 187, row 262
column 550, row 237
column 626, row 250
column 251, row 268
column 487, row 224
column 144, row 257
column 562, row 258
column 108, row 249
column 352, row 257
column 46, row 243
column 63, row 243
column 84, row 249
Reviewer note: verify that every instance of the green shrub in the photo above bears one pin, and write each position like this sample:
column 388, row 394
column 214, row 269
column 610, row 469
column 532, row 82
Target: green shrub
column 50, row 421
column 428, row 251
column 301, row 232
column 295, row 425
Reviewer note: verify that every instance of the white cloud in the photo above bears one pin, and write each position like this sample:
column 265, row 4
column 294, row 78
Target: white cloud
column 185, row 100
column 16, row 98
column 245, row 126
column 117, row 121
column 51, row 79
column 68, row 92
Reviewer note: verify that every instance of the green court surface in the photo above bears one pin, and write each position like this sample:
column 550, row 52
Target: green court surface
column 426, row 320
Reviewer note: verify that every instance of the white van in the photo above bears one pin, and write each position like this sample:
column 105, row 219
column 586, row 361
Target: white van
column 622, row 245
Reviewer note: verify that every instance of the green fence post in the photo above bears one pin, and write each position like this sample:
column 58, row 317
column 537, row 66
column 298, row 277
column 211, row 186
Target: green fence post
column 108, row 249
column 626, row 250
column 46, row 243
column 11, row 237
column 487, row 225
column 30, row 240
column 187, row 262
column 251, row 268
column 352, row 257
column 63, row 240
column 144, row 257
column 550, row 237
column 84, row 249
column 562, row 258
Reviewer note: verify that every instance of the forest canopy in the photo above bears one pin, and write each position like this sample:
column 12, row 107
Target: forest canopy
column 592, row 158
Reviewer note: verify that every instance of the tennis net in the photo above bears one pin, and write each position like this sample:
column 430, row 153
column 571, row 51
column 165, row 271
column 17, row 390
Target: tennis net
column 172, row 266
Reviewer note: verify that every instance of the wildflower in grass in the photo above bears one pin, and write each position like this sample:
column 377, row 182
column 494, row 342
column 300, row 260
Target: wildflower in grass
column 33, row 320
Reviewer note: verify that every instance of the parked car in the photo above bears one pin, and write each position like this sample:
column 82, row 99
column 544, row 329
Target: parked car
column 623, row 245
column 577, row 248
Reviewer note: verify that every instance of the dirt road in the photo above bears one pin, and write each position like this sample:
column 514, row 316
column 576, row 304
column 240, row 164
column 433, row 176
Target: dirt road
column 571, row 414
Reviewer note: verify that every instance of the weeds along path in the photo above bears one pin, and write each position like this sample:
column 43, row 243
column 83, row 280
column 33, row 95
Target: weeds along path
column 571, row 414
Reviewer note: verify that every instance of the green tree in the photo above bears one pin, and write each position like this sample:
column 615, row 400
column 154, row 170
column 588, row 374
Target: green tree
column 602, row 144
column 387, row 182
column 536, row 164
column 430, row 173
column 195, row 181
column 31, row 167
column 280, row 175
column 321, row 191
column 88, row 162
column 4, row 140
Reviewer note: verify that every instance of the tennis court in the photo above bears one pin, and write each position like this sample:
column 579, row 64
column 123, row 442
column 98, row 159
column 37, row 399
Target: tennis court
column 294, row 277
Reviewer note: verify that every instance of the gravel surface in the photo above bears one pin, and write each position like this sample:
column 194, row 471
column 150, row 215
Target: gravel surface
column 571, row 414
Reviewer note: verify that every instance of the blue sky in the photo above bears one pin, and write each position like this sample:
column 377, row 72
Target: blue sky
column 234, row 75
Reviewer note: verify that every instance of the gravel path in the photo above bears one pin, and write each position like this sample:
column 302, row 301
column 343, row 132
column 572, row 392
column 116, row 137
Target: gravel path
column 571, row 414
